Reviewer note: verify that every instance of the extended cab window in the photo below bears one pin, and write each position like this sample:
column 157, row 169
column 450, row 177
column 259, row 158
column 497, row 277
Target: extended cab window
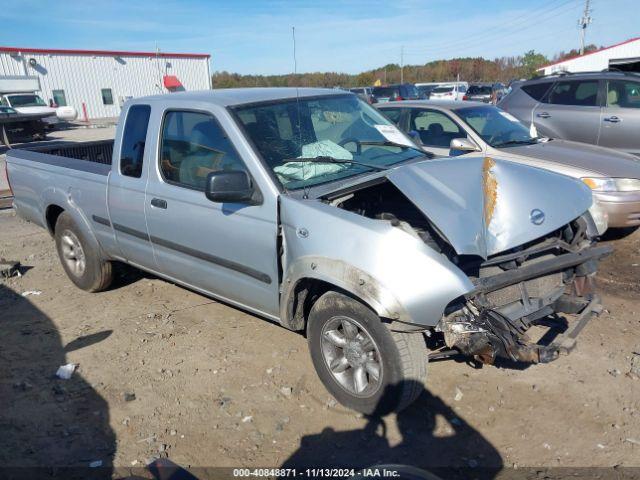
column 133, row 140
column 575, row 92
column 194, row 145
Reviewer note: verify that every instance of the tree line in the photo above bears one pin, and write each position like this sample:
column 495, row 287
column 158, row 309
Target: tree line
column 479, row 69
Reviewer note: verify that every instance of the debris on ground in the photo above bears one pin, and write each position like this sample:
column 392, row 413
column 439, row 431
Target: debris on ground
column 634, row 372
column 9, row 268
column 459, row 395
column 286, row 391
column 31, row 292
column 129, row 396
column 66, row 371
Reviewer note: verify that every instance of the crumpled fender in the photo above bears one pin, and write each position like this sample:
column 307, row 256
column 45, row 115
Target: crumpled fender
column 395, row 273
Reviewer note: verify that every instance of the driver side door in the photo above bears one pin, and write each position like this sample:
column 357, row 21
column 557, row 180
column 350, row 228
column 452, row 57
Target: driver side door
column 226, row 249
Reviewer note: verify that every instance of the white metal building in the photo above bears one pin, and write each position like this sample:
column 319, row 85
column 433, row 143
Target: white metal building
column 624, row 56
column 103, row 80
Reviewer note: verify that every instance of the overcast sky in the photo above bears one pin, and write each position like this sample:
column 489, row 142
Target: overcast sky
column 255, row 36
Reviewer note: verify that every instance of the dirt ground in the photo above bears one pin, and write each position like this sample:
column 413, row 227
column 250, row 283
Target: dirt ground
column 168, row 373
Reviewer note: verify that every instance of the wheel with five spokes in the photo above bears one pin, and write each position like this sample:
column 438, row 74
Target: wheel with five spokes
column 363, row 363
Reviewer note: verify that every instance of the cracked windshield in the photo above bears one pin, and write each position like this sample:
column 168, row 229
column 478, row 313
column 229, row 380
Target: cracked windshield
column 306, row 142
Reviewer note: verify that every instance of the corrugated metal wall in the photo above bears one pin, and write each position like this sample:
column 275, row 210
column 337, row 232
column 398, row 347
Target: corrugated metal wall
column 82, row 77
column 596, row 61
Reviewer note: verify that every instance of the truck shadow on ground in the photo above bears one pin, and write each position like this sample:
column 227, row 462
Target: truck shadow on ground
column 50, row 427
column 433, row 438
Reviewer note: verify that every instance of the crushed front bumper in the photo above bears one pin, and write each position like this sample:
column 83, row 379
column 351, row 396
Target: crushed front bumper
column 564, row 343
column 487, row 331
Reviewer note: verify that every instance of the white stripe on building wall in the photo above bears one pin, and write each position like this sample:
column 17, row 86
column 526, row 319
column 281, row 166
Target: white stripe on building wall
column 82, row 77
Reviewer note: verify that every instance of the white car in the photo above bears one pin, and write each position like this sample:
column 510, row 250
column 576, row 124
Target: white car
column 452, row 91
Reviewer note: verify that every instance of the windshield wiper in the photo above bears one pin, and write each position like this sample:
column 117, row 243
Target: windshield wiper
column 327, row 159
column 516, row 142
column 389, row 143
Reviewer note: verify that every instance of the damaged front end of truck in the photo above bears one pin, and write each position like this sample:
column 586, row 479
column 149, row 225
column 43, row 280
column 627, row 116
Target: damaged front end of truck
column 514, row 291
column 519, row 282
column 477, row 249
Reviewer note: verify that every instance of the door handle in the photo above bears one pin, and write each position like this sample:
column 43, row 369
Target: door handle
column 543, row 115
column 613, row 119
column 158, row 203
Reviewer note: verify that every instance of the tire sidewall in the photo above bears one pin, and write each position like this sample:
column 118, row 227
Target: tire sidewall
column 88, row 279
column 387, row 397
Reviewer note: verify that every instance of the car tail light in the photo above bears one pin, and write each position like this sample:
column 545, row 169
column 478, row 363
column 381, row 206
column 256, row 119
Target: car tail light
column 6, row 174
column 398, row 98
column 464, row 97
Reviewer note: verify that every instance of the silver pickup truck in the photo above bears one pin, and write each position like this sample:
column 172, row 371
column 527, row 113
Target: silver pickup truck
column 308, row 208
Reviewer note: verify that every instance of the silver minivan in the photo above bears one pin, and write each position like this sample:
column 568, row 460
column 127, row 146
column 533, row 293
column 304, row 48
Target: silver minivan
column 601, row 108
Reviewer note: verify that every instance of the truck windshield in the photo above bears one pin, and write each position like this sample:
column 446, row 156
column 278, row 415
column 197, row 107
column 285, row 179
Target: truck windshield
column 496, row 127
column 334, row 127
column 26, row 100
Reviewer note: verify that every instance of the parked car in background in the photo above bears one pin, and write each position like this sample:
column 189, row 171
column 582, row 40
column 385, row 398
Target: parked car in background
column 452, row 91
column 485, row 92
column 425, row 89
column 335, row 224
column 602, row 108
column 394, row 93
column 16, row 126
column 365, row 93
column 449, row 128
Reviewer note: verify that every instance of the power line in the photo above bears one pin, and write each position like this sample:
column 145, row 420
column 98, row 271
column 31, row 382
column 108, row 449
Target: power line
column 516, row 26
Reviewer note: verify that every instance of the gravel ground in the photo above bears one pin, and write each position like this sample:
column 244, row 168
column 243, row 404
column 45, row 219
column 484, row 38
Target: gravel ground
column 167, row 373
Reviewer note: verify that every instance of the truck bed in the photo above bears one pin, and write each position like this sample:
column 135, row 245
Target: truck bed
column 98, row 151
column 65, row 174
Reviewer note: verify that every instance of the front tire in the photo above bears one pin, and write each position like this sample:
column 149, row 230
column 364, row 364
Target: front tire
column 366, row 366
column 81, row 261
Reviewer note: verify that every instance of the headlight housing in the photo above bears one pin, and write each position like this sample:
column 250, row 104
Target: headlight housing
column 612, row 184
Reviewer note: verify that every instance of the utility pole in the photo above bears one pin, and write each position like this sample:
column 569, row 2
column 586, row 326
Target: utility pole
column 402, row 64
column 583, row 23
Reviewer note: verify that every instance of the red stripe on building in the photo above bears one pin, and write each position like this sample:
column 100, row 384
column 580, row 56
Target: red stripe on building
column 110, row 53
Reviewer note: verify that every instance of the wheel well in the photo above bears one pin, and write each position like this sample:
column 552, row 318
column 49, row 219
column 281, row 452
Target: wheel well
column 52, row 214
column 306, row 292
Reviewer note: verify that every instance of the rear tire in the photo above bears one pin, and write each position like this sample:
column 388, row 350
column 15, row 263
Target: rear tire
column 362, row 363
column 82, row 262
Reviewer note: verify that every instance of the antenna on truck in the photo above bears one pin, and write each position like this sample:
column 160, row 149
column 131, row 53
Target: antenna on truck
column 295, row 74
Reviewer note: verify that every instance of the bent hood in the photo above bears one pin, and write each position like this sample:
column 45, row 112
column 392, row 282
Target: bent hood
column 590, row 158
column 484, row 206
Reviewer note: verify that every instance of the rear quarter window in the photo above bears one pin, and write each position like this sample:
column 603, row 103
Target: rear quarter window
column 537, row 91
column 133, row 140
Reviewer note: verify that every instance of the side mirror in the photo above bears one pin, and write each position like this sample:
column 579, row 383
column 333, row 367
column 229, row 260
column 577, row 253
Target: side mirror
column 464, row 145
column 231, row 186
